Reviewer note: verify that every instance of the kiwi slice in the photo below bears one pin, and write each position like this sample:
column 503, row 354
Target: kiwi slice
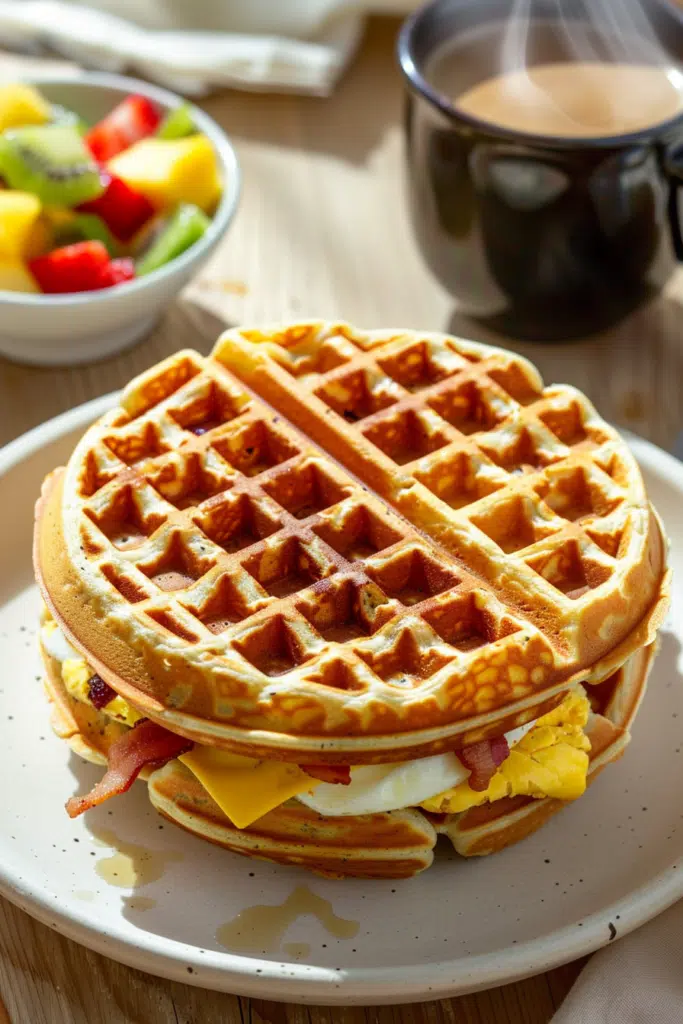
column 177, row 124
column 186, row 226
column 51, row 161
column 85, row 227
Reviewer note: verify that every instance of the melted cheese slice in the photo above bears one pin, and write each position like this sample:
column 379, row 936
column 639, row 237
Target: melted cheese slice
column 243, row 788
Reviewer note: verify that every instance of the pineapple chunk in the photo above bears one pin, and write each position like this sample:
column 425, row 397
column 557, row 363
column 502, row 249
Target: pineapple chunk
column 16, row 277
column 173, row 171
column 19, row 213
column 54, row 220
column 41, row 239
column 21, row 105
column 59, row 216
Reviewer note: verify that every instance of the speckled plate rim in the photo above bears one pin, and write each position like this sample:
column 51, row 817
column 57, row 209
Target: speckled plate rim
column 297, row 982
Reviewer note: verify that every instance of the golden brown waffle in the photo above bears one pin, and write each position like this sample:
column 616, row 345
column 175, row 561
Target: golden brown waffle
column 527, row 486
column 234, row 583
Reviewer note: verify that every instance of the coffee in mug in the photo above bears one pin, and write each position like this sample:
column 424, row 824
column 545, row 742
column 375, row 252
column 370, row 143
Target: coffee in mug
column 576, row 99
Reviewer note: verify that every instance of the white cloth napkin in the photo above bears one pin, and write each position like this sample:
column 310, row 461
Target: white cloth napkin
column 638, row 980
column 192, row 45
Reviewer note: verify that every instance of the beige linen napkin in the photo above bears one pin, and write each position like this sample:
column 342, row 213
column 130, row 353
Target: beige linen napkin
column 638, row 980
column 194, row 45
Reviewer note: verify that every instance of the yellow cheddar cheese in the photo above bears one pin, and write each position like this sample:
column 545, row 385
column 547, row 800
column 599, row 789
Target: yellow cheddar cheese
column 245, row 789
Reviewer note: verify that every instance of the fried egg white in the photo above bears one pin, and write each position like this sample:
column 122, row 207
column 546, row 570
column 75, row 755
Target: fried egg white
column 55, row 643
column 389, row 787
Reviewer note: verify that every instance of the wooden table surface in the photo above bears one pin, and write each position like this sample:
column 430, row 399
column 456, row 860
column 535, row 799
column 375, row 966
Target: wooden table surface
column 322, row 230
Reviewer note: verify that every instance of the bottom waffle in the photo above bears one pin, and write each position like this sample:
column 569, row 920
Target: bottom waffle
column 396, row 844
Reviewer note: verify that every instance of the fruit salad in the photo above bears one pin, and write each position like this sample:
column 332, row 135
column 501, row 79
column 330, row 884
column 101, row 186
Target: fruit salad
column 84, row 207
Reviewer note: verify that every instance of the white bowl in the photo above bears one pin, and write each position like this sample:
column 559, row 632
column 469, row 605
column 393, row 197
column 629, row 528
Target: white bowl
column 64, row 330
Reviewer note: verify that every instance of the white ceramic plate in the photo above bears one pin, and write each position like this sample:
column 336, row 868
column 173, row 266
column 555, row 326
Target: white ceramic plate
column 598, row 870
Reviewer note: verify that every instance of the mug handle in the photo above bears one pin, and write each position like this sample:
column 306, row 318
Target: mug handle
column 673, row 164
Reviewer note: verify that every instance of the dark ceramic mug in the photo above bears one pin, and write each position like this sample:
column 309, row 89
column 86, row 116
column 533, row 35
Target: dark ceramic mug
column 542, row 238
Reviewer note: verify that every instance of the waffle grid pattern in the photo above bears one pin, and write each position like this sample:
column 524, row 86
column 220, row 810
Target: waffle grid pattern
column 270, row 590
column 219, row 527
column 458, row 436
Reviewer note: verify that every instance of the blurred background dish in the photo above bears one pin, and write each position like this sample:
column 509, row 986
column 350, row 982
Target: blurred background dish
column 54, row 330
column 543, row 158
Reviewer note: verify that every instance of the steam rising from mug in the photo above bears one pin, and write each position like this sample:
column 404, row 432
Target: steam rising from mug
column 614, row 75
column 623, row 27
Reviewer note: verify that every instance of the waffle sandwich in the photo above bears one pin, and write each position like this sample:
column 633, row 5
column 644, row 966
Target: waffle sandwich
column 334, row 593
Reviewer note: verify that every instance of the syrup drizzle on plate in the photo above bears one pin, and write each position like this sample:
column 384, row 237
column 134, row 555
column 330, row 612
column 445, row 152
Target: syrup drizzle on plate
column 131, row 865
column 261, row 928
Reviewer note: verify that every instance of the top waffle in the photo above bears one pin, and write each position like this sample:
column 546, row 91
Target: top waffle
column 233, row 581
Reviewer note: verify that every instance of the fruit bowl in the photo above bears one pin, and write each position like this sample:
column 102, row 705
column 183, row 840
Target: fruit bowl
column 82, row 327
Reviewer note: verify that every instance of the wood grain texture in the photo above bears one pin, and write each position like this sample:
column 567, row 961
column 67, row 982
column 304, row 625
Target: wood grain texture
column 322, row 230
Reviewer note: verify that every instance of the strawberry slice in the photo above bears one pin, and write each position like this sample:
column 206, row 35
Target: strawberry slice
column 72, row 268
column 133, row 119
column 81, row 267
column 117, row 272
column 123, row 209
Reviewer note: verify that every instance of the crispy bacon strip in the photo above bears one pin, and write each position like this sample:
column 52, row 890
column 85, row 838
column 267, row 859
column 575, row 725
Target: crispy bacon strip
column 339, row 774
column 99, row 693
column 483, row 759
column 145, row 744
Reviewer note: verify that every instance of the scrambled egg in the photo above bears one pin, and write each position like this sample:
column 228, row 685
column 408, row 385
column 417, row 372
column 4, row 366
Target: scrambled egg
column 75, row 675
column 551, row 760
